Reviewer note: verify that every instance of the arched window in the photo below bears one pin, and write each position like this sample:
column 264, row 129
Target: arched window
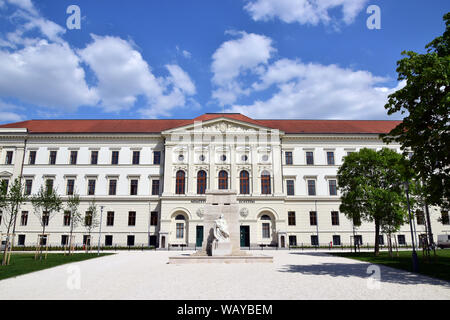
column 180, row 182
column 265, row 217
column 180, row 217
column 244, row 182
column 201, row 182
column 223, row 180
column 265, row 183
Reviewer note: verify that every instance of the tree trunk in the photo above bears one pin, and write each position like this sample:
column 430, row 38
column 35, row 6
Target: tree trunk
column 390, row 244
column 377, row 237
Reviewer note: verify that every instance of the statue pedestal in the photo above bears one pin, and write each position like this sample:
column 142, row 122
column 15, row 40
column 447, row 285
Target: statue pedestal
column 222, row 248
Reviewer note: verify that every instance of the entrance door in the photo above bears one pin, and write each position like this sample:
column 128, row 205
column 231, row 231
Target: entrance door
column 199, row 237
column 245, row 236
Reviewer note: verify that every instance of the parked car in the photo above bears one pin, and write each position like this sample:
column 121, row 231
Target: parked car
column 443, row 241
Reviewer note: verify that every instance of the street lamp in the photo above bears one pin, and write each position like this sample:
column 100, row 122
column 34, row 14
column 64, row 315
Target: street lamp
column 414, row 253
column 100, row 230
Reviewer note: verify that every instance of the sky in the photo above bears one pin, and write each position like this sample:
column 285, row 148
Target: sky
column 267, row 59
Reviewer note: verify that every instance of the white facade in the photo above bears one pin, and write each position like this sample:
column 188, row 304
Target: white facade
column 218, row 145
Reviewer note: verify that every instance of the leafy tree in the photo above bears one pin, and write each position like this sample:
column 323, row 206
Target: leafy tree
column 91, row 220
column 11, row 202
column 72, row 205
column 371, row 184
column 425, row 129
column 46, row 203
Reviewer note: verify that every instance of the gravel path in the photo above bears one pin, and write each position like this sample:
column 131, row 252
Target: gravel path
column 292, row 276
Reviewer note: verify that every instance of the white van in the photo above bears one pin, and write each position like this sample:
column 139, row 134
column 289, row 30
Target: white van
column 443, row 241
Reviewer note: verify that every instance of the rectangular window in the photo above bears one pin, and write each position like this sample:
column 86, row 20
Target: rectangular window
column 313, row 218
column 66, row 220
column 154, row 218
column 132, row 218
column 112, row 187
column 73, row 157
column 180, row 230
column 333, row 188
column 292, row 241
column 136, row 157
column 311, row 187
column 290, row 187
column 24, row 218
column 288, row 156
column 94, row 157
column 49, row 185
column 358, row 240
column 130, row 241
column 86, row 240
column 336, row 240
column 108, row 241
column 266, row 230
column 32, row 158
column 330, row 158
column 134, row 187
column 21, row 240
column 401, row 239
column 156, row 157
column 381, row 240
column 9, row 157
column 91, row 187
column 64, row 240
column 420, row 217
column 45, row 218
column 28, row 186
column 110, row 218
column 334, row 218
column 314, row 240
column 445, row 218
column 52, row 158
column 88, row 218
column 310, row 158
column 70, row 187
column 155, row 187
column 115, row 157
column 291, row 218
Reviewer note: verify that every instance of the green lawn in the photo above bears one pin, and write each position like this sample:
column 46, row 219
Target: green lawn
column 436, row 267
column 22, row 263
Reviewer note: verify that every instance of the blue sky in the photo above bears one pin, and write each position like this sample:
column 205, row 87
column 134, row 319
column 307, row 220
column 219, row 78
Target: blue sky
column 283, row 59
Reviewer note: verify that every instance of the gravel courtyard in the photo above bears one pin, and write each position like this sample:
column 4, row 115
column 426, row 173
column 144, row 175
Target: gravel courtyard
column 292, row 276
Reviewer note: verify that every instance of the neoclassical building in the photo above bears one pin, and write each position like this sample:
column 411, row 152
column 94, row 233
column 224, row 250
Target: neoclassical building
column 149, row 178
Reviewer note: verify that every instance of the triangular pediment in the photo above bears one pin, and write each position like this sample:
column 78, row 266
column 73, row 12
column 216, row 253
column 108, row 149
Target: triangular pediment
column 5, row 174
column 220, row 125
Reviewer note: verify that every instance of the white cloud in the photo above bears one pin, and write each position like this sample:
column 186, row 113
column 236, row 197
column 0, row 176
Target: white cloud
column 45, row 74
column 310, row 12
column 187, row 54
column 235, row 57
column 7, row 114
column 123, row 75
column 313, row 90
column 180, row 79
column 26, row 5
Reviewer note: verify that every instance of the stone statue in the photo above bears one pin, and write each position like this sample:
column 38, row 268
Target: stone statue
column 221, row 232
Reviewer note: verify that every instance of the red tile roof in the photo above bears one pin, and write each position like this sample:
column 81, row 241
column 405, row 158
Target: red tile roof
column 157, row 126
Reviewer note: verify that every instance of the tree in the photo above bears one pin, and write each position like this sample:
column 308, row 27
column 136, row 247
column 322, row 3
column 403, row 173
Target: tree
column 371, row 184
column 11, row 202
column 46, row 203
column 72, row 205
column 91, row 220
column 425, row 130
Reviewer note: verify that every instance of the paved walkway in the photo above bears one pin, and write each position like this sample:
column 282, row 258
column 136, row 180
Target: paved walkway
column 292, row 276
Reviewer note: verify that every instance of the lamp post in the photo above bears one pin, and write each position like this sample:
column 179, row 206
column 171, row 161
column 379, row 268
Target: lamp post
column 100, row 230
column 414, row 253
